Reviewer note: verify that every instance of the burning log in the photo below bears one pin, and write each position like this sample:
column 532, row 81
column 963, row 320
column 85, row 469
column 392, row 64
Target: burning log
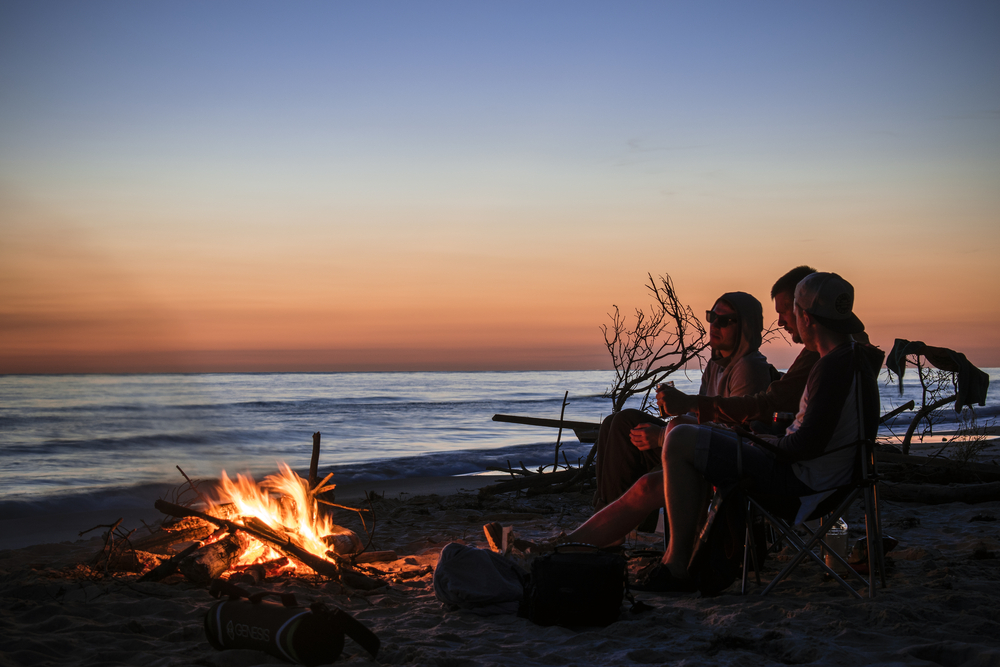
column 190, row 529
column 320, row 565
column 252, row 575
column 210, row 561
column 258, row 572
column 344, row 542
column 169, row 566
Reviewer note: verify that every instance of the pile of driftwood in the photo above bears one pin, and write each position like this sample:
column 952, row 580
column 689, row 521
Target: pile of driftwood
column 936, row 480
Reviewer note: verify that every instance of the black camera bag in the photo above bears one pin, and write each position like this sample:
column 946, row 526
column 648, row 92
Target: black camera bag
column 575, row 588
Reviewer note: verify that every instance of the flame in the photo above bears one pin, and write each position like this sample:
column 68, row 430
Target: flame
column 284, row 503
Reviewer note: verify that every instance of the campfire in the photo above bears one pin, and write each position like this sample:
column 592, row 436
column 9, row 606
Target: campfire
column 284, row 505
column 252, row 531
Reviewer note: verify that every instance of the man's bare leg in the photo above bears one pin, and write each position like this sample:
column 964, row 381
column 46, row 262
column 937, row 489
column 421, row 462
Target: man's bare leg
column 684, row 491
column 612, row 524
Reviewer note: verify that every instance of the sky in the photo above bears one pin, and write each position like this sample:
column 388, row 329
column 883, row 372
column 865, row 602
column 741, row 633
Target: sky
column 347, row 186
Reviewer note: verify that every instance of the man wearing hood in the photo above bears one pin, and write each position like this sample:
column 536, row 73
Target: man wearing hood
column 737, row 367
column 628, row 445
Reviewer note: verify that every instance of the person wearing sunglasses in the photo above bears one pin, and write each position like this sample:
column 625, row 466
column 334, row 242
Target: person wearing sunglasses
column 628, row 444
column 781, row 396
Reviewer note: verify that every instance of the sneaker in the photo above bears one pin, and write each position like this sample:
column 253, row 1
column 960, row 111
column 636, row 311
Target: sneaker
column 659, row 579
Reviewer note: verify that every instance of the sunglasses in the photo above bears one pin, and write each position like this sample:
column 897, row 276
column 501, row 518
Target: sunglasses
column 721, row 321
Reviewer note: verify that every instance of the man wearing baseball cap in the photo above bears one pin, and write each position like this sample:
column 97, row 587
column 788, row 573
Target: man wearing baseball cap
column 840, row 405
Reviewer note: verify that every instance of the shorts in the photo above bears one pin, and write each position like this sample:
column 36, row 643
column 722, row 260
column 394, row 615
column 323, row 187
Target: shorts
column 715, row 458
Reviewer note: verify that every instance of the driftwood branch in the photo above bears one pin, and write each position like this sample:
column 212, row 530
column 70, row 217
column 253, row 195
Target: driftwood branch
column 937, row 494
column 982, row 472
column 922, row 414
column 533, row 482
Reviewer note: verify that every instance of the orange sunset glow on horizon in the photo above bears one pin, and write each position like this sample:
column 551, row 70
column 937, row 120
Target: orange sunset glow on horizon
column 443, row 186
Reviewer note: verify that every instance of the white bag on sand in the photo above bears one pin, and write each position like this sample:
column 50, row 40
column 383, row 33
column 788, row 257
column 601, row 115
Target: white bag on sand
column 477, row 580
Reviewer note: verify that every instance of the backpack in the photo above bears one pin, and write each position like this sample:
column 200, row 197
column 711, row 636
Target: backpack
column 718, row 553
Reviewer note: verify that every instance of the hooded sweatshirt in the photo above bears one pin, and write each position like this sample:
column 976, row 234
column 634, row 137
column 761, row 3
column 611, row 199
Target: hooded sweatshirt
column 746, row 372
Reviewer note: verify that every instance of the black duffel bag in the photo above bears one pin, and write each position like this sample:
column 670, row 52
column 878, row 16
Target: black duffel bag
column 575, row 588
column 311, row 635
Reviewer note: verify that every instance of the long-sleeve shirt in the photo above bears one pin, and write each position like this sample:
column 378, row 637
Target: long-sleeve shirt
column 780, row 396
column 832, row 416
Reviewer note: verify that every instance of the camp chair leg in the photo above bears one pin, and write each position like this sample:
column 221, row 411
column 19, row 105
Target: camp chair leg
column 804, row 549
column 750, row 550
column 876, row 554
column 747, row 550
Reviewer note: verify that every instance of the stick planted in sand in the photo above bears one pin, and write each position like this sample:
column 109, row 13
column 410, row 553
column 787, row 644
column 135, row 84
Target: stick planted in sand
column 314, row 462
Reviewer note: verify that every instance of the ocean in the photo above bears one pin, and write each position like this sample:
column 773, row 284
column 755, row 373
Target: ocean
column 89, row 441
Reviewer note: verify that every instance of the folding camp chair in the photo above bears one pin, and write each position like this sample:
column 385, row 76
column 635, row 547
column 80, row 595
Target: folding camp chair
column 781, row 515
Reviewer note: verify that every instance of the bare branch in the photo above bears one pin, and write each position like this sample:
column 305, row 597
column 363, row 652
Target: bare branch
column 661, row 341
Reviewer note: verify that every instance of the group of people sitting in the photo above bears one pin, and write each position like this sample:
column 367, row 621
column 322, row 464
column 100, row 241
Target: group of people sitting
column 644, row 463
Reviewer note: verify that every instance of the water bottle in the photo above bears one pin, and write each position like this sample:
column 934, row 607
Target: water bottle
column 836, row 540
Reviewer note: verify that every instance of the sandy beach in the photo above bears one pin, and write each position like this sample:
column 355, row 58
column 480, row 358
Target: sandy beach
column 940, row 607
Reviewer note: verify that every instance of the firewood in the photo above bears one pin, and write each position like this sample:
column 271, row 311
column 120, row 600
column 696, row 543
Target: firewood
column 162, row 540
column 376, row 557
column 272, row 568
column 186, row 529
column 344, row 542
column 210, row 561
column 169, row 566
column 320, row 565
column 251, row 575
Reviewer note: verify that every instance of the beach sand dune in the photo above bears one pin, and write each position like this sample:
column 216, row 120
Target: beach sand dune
column 941, row 608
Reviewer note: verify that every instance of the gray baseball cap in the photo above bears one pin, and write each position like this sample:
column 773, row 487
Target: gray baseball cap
column 830, row 299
